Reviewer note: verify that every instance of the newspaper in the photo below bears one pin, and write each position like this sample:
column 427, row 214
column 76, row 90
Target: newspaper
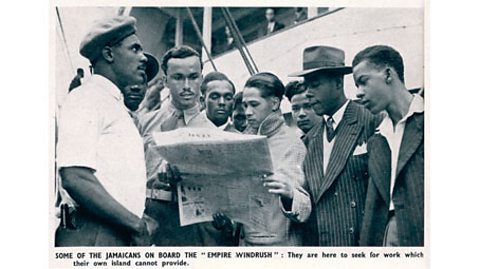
column 221, row 172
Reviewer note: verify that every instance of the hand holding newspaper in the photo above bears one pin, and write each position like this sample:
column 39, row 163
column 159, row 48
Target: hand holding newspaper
column 221, row 172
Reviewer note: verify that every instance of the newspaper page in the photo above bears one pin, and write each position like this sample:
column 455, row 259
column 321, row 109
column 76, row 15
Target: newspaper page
column 221, row 172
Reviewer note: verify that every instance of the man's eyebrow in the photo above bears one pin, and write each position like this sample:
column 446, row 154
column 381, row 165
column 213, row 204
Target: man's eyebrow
column 136, row 44
column 359, row 76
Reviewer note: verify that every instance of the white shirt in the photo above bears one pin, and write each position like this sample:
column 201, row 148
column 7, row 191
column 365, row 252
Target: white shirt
column 223, row 126
column 188, row 114
column 96, row 131
column 328, row 146
column 394, row 135
column 271, row 25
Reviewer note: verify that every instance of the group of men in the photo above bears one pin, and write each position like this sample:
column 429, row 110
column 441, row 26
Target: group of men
column 363, row 169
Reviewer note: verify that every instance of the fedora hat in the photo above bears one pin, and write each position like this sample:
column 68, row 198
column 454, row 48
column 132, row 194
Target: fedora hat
column 152, row 66
column 323, row 58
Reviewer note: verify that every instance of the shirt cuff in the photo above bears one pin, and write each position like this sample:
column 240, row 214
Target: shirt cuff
column 293, row 214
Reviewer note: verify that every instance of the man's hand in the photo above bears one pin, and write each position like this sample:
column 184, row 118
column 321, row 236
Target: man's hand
column 169, row 173
column 222, row 222
column 141, row 237
column 278, row 186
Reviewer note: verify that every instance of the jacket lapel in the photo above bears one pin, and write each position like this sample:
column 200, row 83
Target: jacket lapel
column 345, row 141
column 412, row 137
column 379, row 165
column 313, row 164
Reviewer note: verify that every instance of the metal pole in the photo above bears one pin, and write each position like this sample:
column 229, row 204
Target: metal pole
column 238, row 39
column 207, row 30
column 312, row 12
column 179, row 29
column 244, row 45
column 64, row 39
column 199, row 35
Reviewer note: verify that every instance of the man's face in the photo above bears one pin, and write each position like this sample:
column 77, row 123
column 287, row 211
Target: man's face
column 219, row 101
column 270, row 15
column 133, row 95
column 256, row 107
column 183, row 78
column 302, row 112
column 373, row 91
column 239, row 118
column 129, row 62
column 322, row 92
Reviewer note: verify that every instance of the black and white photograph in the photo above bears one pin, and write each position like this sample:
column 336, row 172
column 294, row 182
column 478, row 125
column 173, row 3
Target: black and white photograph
column 232, row 136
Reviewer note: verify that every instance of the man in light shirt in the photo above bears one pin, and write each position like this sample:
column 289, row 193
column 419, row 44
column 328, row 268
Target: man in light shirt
column 100, row 152
column 336, row 162
column 394, row 210
column 182, row 70
column 218, row 94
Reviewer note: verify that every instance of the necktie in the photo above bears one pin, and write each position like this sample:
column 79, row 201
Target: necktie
column 329, row 128
column 172, row 121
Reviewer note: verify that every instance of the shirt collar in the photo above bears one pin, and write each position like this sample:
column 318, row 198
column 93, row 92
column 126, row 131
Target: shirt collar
column 222, row 127
column 416, row 106
column 107, row 85
column 188, row 114
column 338, row 116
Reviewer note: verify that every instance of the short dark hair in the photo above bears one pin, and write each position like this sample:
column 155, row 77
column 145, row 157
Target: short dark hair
column 381, row 55
column 267, row 83
column 214, row 76
column 293, row 88
column 237, row 100
column 180, row 52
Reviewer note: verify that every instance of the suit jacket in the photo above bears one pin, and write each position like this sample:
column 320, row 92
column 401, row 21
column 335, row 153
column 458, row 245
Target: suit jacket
column 408, row 192
column 338, row 197
column 288, row 153
column 277, row 26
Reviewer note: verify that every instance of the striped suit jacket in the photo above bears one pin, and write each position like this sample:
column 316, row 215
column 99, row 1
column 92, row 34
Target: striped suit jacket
column 408, row 192
column 338, row 197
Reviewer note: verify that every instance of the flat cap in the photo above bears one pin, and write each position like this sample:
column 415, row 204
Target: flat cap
column 109, row 31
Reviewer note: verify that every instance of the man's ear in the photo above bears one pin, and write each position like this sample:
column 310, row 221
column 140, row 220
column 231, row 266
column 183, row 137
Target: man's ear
column 202, row 100
column 388, row 75
column 275, row 103
column 107, row 54
column 339, row 83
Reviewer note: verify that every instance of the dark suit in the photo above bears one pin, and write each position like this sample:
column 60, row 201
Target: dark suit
column 277, row 26
column 338, row 197
column 408, row 192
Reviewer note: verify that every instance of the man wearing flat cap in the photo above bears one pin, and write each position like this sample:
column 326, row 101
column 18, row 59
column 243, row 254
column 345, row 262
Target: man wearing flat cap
column 336, row 162
column 100, row 152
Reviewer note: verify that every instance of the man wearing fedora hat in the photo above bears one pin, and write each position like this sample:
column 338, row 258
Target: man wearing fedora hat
column 336, row 162
column 100, row 152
